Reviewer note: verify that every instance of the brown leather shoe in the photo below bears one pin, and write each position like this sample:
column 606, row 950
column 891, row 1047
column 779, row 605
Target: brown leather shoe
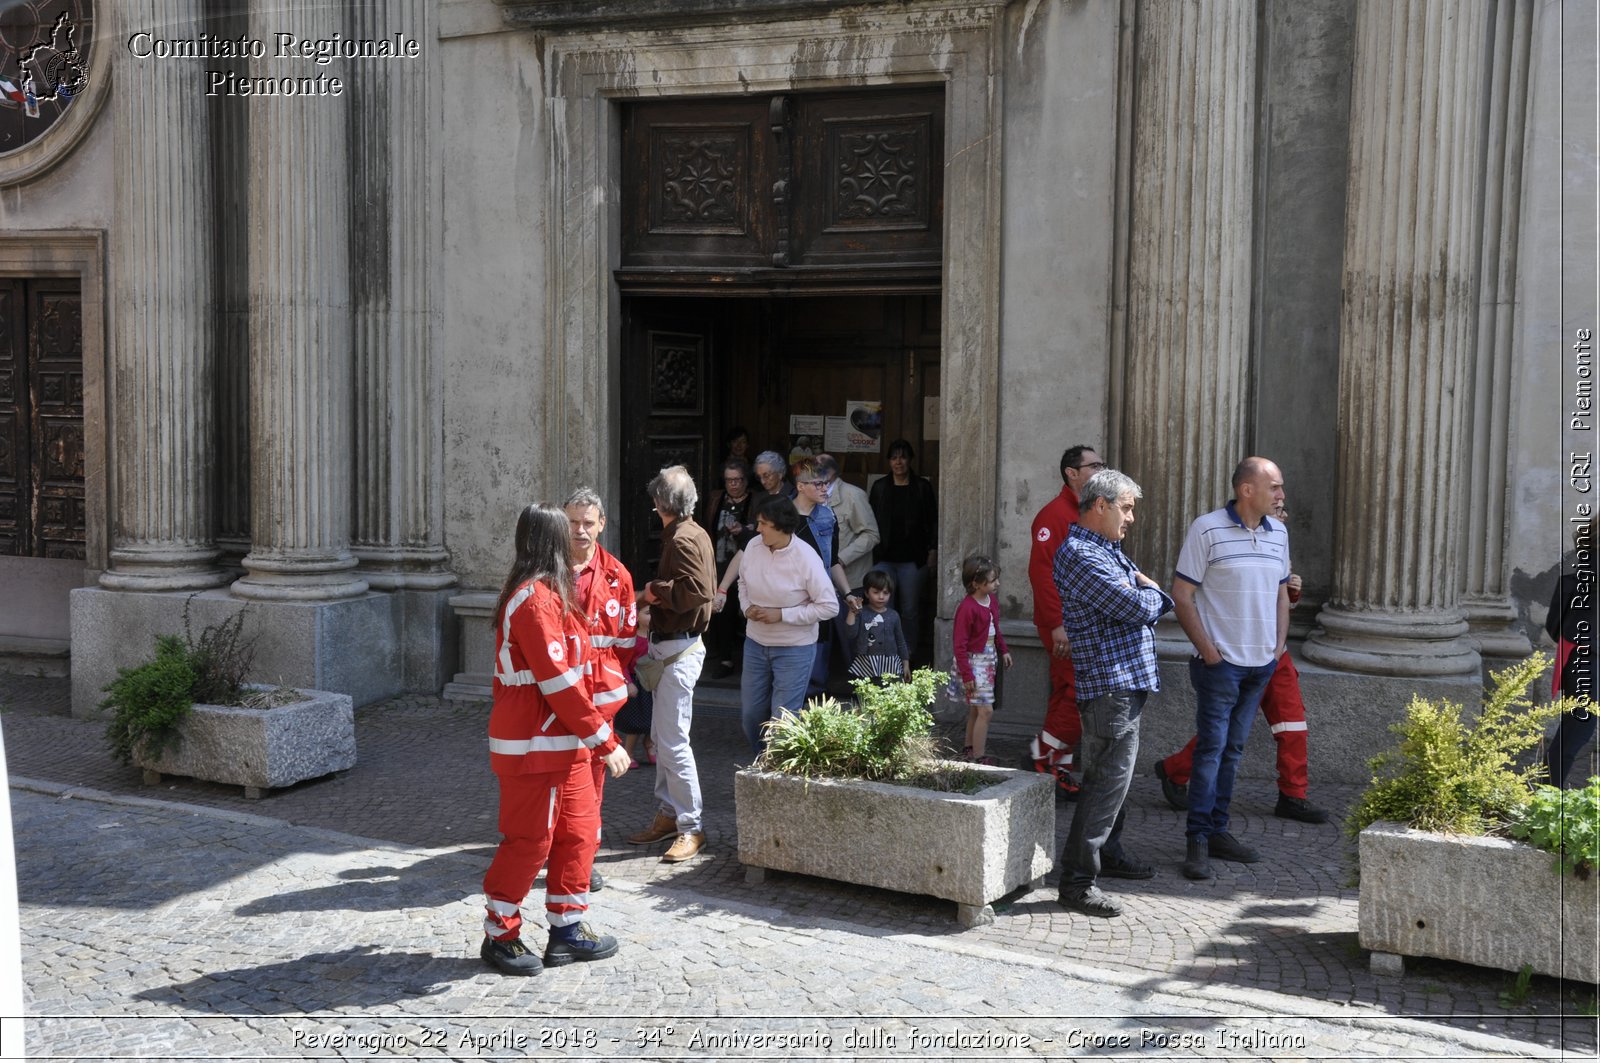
column 663, row 826
column 686, row 846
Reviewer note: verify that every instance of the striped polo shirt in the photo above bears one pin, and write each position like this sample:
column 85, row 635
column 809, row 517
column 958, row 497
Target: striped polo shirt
column 1237, row 572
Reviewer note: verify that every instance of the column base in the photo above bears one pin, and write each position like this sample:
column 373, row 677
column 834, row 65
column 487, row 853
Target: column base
column 474, row 613
column 370, row 647
column 164, row 568
column 317, row 578
column 1489, row 620
column 388, row 568
column 1394, row 643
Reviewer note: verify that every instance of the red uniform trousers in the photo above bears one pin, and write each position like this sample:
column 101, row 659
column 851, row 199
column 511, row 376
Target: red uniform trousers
column 1285, row 711
column 1054, row 745
column 549, row 820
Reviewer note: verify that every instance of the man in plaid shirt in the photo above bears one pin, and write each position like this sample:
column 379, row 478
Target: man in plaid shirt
column 1108, row 607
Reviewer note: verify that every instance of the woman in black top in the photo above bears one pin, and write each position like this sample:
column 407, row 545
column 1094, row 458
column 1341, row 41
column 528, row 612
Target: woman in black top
column 1572, row 624
column 908, row 526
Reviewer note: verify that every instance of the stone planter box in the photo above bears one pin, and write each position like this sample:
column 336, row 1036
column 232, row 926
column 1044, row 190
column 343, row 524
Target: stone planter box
column 968, row 848
column 262, row 749
column 1486, row 901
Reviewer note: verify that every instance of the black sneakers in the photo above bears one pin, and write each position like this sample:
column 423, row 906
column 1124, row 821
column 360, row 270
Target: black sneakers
column 509, row 956
column 1299, row 808
column 1225, row 846
column 572, row 944
column 1177, row 796
column 1091, row 901
column 1197, row 862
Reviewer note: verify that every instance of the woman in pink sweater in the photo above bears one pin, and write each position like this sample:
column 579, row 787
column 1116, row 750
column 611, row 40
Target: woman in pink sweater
column 786, row 592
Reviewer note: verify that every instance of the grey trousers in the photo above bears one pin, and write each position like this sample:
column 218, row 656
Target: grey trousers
column 1106, row 755
column 677, row 779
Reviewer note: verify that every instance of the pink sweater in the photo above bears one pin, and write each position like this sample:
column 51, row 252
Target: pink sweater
column 972, row 632
column 791, row 579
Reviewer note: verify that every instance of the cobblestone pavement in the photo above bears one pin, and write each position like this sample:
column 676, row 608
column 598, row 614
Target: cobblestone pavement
column 182, row 931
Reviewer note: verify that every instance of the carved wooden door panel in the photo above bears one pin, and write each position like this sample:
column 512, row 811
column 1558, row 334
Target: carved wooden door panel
column 41, row 419
column 668, row 402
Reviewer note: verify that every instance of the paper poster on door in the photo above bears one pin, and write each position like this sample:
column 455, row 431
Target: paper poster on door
column 864, row 426
column 805, row 435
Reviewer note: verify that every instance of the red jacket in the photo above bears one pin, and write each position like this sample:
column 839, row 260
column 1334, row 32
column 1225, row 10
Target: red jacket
column 543, row 719
column 1049, row 532
column 608, row 605
column 972, row 632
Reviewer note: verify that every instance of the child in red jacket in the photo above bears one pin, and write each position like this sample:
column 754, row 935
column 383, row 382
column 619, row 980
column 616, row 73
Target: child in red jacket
column 979, row 649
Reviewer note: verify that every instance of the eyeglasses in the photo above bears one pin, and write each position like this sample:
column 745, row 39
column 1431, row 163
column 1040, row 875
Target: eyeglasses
column 1096, row 465
column 733, row 479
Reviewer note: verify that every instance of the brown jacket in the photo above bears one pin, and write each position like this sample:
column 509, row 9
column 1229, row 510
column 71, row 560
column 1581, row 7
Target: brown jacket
column 685, row 580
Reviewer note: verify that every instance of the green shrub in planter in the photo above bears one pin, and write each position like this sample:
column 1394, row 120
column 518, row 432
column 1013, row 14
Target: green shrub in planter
column 149, row 701
column 889, row 737
column 1564, row 822
column 1450, row 776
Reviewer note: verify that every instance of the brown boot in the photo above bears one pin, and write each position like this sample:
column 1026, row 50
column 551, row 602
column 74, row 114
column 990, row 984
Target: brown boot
column 663, row 826
column 686, row 846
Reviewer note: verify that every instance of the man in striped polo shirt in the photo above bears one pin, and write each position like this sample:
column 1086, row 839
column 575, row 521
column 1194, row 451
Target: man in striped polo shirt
column 1231, row 596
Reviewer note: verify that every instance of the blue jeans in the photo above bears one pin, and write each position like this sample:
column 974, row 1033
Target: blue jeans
column 773, row 682
column 1225, row 700
column 1106, row 752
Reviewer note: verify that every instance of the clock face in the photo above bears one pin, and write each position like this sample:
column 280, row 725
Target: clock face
column 44, row 65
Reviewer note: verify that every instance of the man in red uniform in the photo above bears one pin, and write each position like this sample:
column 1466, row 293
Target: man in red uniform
column 1052, row 748
column 605, row 594
column 1285, row 712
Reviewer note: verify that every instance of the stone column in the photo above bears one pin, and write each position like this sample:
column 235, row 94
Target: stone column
column 1406, row 333
column 1485, row 597
column 162, row 298
column 395, row 198
column 1187, row 379
column 230, row 184
column 300, row 401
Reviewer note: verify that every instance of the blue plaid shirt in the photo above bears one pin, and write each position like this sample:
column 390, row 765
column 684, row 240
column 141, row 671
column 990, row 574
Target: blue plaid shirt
column 1108, row 616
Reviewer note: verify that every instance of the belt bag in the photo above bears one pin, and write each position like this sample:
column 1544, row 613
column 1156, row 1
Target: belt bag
column 648, row 669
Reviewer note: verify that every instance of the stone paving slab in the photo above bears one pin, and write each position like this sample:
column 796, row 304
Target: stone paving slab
column 165, row 931
column 1284, row 926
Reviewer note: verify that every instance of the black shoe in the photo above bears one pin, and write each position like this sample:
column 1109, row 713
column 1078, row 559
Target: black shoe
column 1124, row 866
column 1177, row 796
column 509, row 956
column 1091, row 902
column 1225, row 847
column 1197, row 864
column 1299, row 808
column 574, row 943
column 597, row 881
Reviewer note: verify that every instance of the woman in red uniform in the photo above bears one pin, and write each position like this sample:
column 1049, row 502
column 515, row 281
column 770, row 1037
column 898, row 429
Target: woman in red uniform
column 544, row 732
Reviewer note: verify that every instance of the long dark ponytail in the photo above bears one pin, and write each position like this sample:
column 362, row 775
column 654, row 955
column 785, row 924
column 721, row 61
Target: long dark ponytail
column 543, row 545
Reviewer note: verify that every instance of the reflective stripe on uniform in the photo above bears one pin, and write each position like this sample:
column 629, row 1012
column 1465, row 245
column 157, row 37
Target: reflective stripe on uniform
column 580, row 899
column 516, row 747
column 1291, row 725
column 566, row 679
column 607, row 697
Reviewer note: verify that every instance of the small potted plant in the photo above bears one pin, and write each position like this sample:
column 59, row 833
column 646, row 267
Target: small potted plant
column 857, row 794
column 1440, row 875
column 188, row 711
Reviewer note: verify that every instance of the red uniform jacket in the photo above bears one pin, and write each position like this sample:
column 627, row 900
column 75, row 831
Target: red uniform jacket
column 543, row 717
column 607, row 603
column 1049, row 532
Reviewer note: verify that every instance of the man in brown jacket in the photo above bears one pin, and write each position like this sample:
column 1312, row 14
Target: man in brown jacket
column 680, row 608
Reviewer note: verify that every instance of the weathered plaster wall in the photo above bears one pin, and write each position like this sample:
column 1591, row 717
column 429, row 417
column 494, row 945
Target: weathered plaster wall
column 76, row 193
column 1059, row 170
column 1558, row 297
column 1303, row 134
column 493, row 334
